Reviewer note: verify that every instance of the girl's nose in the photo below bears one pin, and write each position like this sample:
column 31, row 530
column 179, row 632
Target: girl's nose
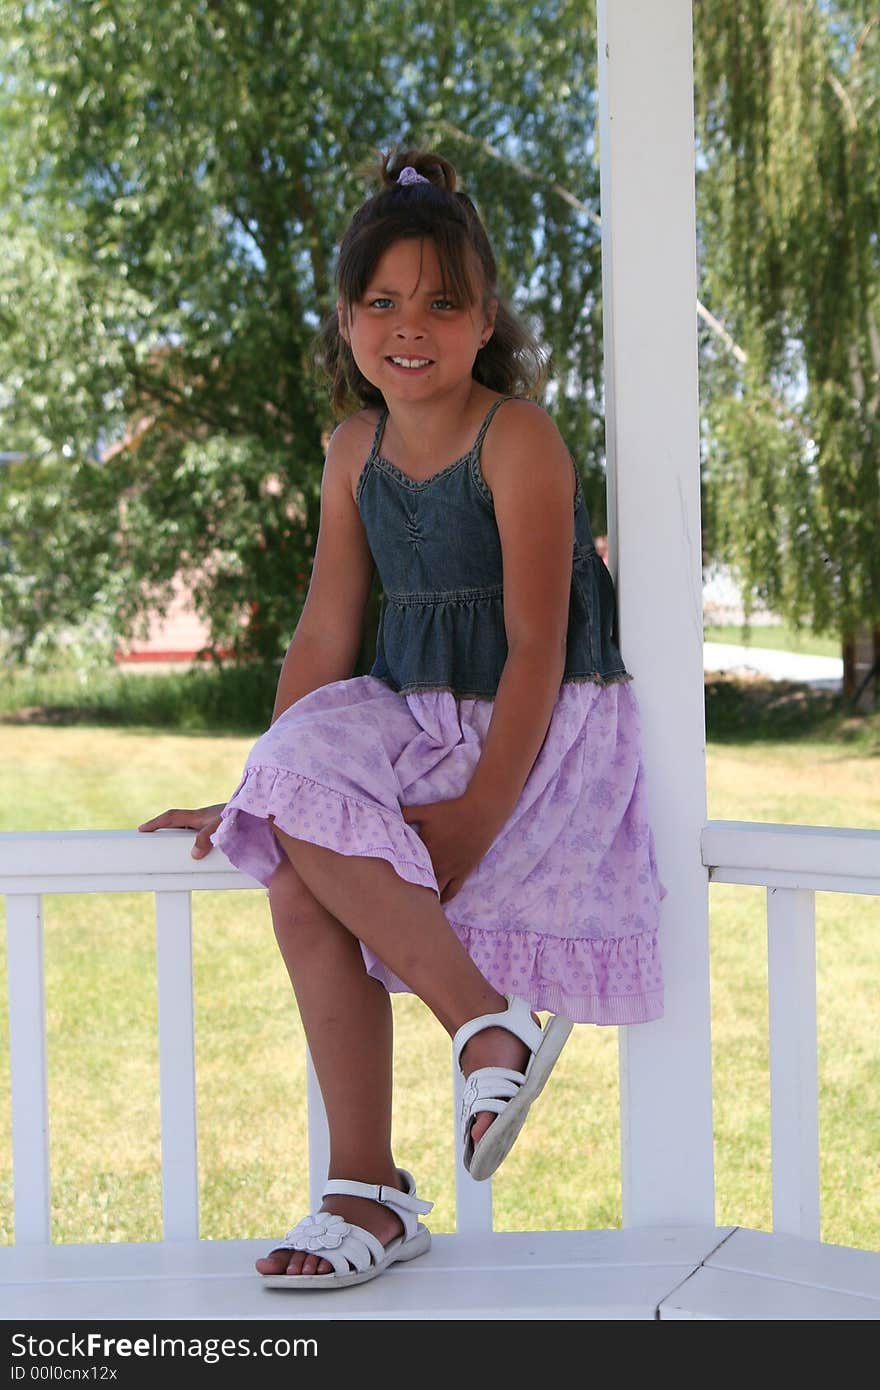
column 410, row 322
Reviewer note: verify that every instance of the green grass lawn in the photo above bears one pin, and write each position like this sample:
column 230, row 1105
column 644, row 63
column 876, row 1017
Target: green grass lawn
column 776, row 637
column 564, row 1172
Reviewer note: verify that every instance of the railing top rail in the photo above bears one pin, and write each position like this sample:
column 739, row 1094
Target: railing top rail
column 49, row 861
column 817, row 851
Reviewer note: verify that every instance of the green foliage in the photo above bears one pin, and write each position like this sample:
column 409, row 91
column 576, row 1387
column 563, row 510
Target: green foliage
column 238, row 699
column 176, row 179
column 789, row 205
column 234, row 698
column 757, row 711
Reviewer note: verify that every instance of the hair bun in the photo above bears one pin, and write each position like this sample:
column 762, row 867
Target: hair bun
column 433, row 167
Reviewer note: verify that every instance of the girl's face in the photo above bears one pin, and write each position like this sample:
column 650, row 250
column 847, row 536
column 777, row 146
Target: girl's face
column 408, row 339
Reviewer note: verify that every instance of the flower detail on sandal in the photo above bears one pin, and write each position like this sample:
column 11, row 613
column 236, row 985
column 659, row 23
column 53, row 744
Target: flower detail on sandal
column 320, row 1231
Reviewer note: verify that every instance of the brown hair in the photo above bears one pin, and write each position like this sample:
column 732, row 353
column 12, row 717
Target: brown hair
column 511, row 361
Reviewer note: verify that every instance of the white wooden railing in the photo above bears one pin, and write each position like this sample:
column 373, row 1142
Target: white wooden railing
column 791, row 862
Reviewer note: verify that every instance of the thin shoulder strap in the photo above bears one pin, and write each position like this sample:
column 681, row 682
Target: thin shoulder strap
column 367, row 466
column 377, row 436
column 478, row 442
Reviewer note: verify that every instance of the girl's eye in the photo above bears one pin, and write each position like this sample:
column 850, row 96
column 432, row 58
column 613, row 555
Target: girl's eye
column 381, row 302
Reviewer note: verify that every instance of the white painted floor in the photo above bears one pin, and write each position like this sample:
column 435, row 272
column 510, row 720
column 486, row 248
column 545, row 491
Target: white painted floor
column 676, row 1273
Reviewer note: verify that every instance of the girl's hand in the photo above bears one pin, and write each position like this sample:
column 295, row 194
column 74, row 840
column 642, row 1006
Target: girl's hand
column 205, row 820
column 457, row 834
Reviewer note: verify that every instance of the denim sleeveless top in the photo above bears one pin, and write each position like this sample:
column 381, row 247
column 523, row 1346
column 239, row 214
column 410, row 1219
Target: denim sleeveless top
column 437, row 550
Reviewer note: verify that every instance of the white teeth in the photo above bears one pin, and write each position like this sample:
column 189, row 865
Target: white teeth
column 411, row 361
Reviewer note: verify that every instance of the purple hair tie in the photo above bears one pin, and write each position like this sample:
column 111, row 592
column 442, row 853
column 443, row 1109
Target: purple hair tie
column 410, row 175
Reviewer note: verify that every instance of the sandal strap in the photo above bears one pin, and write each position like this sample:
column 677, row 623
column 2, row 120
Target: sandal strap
column 359, row 1250
column 388, row 1196
column 489, row 1088
column 486, row 1082
column 404, row 1204
column 516, row 1019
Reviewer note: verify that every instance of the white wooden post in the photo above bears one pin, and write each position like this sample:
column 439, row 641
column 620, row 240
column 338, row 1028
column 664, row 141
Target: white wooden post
column 649, row 288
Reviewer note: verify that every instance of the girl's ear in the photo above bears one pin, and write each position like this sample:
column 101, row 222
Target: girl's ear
column 342, row 320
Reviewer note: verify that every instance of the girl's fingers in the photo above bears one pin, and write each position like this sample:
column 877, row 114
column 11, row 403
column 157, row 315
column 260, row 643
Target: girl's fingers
column 157, row 822
column 202, row 843
column 205, row 820
column 175, row 820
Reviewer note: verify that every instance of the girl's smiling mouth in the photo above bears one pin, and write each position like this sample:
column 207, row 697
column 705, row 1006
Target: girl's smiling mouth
column 410, row 364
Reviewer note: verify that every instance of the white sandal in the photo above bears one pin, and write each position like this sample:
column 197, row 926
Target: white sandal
column 354, row 1253
column 509, row 1093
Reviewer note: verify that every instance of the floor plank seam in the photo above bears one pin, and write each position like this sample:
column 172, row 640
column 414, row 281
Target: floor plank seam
column 696, row 1269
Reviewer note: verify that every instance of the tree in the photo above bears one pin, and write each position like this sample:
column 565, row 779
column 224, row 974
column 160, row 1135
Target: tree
column 789, row 207
column 176, row 179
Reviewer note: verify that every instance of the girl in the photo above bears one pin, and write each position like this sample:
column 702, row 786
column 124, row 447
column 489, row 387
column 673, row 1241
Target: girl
column 467, row 821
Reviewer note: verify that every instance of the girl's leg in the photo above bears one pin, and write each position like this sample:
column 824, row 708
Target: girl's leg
column 405, row 925
column 346, row 1015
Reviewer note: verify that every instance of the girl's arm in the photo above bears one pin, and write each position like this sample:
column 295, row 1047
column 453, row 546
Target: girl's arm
column 533, row 490
column 523, row 706
column 328, row 635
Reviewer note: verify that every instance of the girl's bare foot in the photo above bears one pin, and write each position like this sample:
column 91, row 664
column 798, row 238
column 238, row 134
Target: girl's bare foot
column 493, row 1047
column 379, row 1220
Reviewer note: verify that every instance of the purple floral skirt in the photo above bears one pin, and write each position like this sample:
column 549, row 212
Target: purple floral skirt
column 564, row 907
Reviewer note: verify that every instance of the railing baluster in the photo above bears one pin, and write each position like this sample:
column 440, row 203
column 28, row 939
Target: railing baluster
column 27, row 1057
column 177, row 1074
column 794, row 1097
column 473, row 1200
column 319, row 1135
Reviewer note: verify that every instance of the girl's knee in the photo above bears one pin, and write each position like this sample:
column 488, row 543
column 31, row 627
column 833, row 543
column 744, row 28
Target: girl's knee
column 299, row 920
column 287, row 888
